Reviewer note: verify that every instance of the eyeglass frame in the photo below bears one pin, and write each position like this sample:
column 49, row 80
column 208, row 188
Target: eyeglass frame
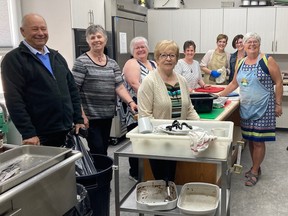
column 165, row 56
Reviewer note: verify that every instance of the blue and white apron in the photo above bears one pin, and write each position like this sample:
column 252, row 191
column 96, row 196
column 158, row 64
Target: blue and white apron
column 254, row 96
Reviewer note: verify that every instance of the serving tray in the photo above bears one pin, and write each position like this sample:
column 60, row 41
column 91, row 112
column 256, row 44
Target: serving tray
column 31, row 160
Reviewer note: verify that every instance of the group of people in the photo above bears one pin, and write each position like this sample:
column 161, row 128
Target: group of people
column 45, row 99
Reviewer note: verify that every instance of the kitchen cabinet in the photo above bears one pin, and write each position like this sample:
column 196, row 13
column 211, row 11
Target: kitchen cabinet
column 203, row 26
column 281, row 29
column 159, row 27
column 170, row 26
column 281, row 122
column 186, row 26
column 211, row 25
column 85, row 13
column 262, row 21
column 271, row 25
column 234, row 23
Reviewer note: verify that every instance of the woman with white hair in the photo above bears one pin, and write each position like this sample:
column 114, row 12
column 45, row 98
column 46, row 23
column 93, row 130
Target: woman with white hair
column 256, row 76
column 134, row 71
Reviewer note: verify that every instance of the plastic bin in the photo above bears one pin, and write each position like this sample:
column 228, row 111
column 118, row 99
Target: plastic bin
column 98, row 185
column 179, row 145
column 202, row 102
column 197, row 198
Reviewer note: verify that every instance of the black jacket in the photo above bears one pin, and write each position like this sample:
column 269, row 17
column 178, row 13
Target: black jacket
column 38, row 102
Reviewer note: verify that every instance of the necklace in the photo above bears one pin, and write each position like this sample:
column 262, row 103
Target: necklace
column 101, row 58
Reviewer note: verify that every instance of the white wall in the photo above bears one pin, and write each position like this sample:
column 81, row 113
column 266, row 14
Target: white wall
column 58, row 17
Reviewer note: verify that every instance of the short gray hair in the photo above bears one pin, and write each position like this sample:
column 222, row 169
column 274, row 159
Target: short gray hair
column 253, row 35
column 93, row 29
column 136, row 40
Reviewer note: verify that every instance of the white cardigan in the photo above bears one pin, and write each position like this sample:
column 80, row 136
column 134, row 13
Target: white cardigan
column 154, row 101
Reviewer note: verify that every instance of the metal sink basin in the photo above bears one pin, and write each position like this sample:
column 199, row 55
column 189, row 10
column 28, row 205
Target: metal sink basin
column 31, row 161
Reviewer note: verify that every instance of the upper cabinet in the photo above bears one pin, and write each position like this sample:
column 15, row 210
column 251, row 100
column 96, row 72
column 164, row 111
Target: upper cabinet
column 178, row 25
column 281, row 30
column 234, row 23
column 203, row 26
column 211, row 25
column 262, row 21
column 159, row 27
column 186, row 27
column 271, row 25
column 85, row 13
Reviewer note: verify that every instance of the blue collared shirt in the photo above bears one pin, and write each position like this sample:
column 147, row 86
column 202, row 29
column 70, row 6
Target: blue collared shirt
column 44, row 57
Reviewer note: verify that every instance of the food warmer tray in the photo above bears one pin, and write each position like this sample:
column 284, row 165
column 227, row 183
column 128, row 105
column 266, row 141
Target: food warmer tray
column 32, row 160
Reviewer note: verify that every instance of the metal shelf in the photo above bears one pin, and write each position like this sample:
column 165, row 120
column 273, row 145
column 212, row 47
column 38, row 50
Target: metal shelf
column 128, row 202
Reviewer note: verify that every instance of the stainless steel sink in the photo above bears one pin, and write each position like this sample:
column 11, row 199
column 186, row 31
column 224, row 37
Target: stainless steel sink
column 48, row 189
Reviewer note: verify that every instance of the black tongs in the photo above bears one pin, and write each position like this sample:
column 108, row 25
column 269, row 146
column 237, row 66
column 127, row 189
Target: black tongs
column 177, row 125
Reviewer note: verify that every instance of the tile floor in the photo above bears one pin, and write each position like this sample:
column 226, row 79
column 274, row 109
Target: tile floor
column 268, row 198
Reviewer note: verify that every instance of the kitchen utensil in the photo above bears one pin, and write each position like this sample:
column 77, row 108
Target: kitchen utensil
column 168, row 197
column 176, row 131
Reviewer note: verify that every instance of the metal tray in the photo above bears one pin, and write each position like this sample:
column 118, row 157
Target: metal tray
column 150, row 195
column 32, row 160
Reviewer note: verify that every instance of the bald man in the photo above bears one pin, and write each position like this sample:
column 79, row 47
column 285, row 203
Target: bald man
column 39, row 89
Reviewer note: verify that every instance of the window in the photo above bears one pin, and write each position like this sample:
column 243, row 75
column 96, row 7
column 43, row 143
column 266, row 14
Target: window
column 9, row 36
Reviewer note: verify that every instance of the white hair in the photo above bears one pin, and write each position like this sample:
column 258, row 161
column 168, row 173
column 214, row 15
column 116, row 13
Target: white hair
column 136, row 40
column 253, row 35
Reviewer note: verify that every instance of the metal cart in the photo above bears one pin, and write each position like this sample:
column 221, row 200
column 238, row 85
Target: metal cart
column 128, row 202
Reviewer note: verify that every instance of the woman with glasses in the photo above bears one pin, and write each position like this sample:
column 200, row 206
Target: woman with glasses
column 134, row 71
column 237, row 43
column 164, row 94
column 256, row 76
column 214, row 60
column 189, row 68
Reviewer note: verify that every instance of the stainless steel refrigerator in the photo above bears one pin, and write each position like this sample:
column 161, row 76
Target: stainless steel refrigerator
column 124, row 22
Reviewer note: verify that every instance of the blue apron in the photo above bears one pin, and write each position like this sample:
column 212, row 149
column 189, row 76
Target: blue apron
column 254, row 96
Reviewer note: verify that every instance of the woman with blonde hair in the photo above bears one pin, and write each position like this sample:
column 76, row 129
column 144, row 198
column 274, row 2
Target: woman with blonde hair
column 164, row 94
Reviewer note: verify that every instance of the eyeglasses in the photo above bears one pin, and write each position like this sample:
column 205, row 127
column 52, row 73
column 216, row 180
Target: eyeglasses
column 140, row 47
column 252, row 42
column 165, row 56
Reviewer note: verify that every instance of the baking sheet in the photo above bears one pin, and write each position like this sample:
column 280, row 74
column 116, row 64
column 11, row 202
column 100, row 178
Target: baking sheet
column 32, row 160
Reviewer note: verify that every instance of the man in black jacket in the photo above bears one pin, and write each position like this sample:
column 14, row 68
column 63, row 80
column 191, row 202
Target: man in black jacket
column 39, row 89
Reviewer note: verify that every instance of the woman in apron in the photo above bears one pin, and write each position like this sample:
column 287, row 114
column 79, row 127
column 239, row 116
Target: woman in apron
column 214, row 60
column 256, row 76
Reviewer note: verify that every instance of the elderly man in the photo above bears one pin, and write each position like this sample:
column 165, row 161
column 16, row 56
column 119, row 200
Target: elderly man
column 39, row 89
